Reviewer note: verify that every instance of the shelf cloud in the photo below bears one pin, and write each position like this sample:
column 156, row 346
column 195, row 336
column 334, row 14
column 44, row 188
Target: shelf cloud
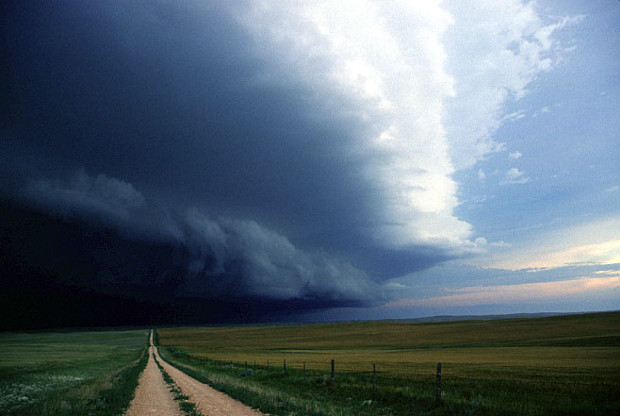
column 280, row 150
column 222, row 257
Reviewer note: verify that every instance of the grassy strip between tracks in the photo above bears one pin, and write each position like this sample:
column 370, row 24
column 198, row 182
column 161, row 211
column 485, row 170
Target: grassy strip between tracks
column 185, row 404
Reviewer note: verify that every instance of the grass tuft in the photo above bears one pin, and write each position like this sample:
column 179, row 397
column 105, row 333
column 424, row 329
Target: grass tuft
column 187, row 407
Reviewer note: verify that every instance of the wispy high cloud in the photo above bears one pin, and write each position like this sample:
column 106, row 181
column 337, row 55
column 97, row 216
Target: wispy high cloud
column 496, row 50
column 593, row 242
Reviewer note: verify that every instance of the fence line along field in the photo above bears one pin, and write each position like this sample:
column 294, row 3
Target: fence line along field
column 556, row 365
column 69, row 373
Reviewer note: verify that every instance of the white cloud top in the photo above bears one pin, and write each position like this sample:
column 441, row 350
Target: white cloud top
column 424, row 112
column 514, row 176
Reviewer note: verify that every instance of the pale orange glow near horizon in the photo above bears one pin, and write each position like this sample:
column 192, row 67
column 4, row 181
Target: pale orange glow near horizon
column 518, row 293
column 594, row 242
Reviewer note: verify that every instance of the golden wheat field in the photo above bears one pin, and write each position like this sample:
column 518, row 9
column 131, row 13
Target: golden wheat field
column 568, row 344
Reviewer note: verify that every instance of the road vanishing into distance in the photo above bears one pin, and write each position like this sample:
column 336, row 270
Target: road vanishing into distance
column 154, row 396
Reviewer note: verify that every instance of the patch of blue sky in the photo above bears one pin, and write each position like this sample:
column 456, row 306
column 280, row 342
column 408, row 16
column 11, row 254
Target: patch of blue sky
column 560, row 167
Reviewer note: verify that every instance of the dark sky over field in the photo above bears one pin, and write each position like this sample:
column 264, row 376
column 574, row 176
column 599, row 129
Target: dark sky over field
column 231, row 161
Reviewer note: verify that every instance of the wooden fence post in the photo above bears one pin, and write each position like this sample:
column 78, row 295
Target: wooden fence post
column 267, row 364
column 304, row 373
column 284, row 368
column 374, row 377
column 438, row 388
column 333, row 373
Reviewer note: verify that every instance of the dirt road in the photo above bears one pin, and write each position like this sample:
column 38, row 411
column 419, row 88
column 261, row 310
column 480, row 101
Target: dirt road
column 208, row 401
column 149, row 394
column 152, row 396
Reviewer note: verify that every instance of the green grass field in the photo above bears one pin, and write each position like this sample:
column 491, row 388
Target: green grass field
column 69, row 373
column 539, row 366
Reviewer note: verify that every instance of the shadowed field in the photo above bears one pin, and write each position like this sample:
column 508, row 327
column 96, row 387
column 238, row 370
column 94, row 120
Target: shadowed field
column 557, row 365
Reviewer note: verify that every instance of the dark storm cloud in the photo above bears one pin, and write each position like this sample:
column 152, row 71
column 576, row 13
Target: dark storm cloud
column 163, row 100
column 160, row 102
column 221, row 257
column 163, row 96
column 64, row 271
column 100, row 196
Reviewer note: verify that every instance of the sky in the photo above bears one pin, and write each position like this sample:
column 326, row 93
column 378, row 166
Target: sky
column 207, row 161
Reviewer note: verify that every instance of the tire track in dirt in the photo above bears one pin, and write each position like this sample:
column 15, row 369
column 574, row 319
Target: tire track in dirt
column 152, row 396
column 208, row 400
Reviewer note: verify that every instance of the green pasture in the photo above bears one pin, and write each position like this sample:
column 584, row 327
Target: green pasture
column 69, row 373
column 538, row 366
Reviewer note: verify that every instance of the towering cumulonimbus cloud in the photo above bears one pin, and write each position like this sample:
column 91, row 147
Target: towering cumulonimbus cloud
column 383, row 65
column 282, row 149
column 426, row 83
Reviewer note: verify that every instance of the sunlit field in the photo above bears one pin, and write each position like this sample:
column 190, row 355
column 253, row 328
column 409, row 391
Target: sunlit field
column 559, row 365
column 69, row 373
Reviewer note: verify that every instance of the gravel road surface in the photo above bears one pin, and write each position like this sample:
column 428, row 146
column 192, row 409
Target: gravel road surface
column 153, row 396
